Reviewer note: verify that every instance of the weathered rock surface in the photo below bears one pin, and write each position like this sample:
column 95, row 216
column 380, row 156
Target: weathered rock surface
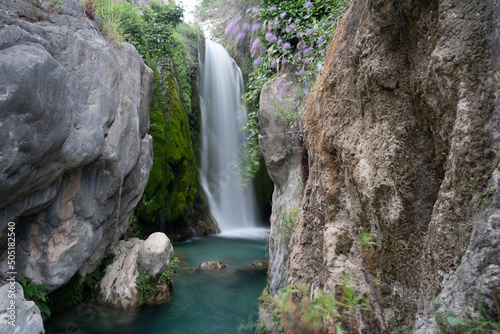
column 74, row 153
column 279, row 146
column 402, row 132
column 212, row 265
column 17, row 315
column 155, row 253
column 262, row 264
column 118, row 288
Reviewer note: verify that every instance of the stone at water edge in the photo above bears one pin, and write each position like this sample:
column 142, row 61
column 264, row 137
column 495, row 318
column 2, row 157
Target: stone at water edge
column 155, row 253
column 211, row 265
column 28, row 319
column 260, row 264
column 118, row 288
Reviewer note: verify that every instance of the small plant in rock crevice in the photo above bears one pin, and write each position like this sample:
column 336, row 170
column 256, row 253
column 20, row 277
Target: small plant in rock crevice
column 288, row 219
column 481, row 192
column 142, row 282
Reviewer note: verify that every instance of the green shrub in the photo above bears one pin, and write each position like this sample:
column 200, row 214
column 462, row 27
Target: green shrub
column 143, row 286
column 38, row 294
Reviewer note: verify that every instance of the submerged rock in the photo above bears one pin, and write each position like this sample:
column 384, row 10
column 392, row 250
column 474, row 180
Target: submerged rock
column 262, row 264
column 118, row 288
column 17, row 315
column 212, row 265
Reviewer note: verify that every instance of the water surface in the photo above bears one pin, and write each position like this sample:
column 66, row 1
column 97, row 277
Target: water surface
column 223, row 301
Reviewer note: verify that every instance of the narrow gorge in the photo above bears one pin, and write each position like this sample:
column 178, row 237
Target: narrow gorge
column 266, row 167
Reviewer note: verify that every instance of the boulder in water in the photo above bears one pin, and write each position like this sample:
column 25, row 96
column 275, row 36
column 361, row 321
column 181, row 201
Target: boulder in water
column 261, row 264
column 211, row 265
column 118, row 288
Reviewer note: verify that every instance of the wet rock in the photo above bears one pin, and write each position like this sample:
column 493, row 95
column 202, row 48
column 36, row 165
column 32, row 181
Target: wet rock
column 212, row 265
column 261, row 264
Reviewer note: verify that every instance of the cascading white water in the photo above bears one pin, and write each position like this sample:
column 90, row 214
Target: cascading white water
column 223, row 115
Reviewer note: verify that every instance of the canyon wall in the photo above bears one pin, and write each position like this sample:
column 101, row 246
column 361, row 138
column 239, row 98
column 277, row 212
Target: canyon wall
column 403, row 142
column 75, row 155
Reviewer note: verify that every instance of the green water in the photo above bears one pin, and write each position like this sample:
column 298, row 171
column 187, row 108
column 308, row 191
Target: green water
column 223, row 301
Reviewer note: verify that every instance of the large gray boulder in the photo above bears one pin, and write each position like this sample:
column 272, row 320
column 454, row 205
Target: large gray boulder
column 118, row 288
column 155, row 253
column 17, row 315
column 74, row 154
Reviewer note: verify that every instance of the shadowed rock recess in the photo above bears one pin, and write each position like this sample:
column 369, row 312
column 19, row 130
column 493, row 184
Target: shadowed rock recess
column 403, row 141
column 74, row 153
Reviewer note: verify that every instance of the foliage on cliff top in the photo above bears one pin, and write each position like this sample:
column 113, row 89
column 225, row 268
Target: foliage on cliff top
column 278, row 34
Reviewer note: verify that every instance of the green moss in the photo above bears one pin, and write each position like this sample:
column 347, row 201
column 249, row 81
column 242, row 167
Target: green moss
column 173, row 180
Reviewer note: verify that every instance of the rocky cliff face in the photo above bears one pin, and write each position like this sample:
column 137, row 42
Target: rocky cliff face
column 280, row 148
column 402, row 133
column 74, row 153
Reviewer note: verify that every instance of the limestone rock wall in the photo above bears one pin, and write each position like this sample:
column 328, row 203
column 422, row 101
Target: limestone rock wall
column 280, row 147
column 17, row 315
column 402, row 134
column 74, row 153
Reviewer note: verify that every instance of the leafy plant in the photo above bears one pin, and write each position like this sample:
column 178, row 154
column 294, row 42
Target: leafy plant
column 396, row 321
column 170, row 273
column 300, row 313
column 288, row 220
column 482, row 193
column 36, row 293
column 365, row 240
column 143, row 286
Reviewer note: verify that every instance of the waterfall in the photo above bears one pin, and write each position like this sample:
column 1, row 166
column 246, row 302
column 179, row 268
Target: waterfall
column 223, row 115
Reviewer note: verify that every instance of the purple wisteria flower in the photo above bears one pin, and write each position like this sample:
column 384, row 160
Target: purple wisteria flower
column 245, row 27
column 320, row 40
column 301, row 71
column 273, row 63
column 307, row 51
column 295, row 56
column 309, row 5
column 273, row 8
column 255, row 45
column 262, row 49
column 241, row 36
column 269, row 35
column 280, row 41
column 286, row 46
column 256, row 10
column 231, row 27
column 257, row 61
column 282, row 15
column 301, row 45
column 284, row 61
column 255, row 27
column 299, row 34
column 248, row 11
column 310, row 31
